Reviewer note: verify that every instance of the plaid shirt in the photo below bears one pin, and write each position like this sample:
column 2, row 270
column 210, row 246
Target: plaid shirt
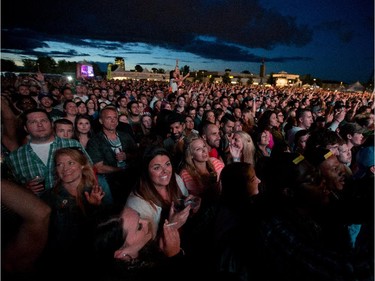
column 25, row 164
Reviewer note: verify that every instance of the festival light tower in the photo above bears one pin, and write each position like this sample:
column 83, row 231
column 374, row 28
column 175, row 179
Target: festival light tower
column 262, row 72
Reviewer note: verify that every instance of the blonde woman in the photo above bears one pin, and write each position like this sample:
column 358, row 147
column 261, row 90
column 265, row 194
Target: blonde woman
column 241, row 148
column 76, row 184
column 75, row 205
column 199, row 172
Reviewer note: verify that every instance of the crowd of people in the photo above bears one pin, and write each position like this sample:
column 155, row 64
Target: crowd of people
column 131, row 180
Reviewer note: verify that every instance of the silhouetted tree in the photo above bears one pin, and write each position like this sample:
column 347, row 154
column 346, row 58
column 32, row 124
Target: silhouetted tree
column 226, row 78
column 307, row 79
column 97, row 71
column 66, row 66
column 8, row 65
column 29, row 65
column 46, row 64
column 185, row 70
column 138, row 68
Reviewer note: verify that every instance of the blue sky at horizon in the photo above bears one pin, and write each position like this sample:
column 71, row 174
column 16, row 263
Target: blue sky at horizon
column 331, row 41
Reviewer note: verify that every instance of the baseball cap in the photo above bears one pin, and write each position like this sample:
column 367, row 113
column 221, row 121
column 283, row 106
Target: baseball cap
column 316, row 108
column 43, row 95
column 350, row 128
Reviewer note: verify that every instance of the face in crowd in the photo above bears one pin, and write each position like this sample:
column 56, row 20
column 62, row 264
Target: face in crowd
column 345, row 154
column 68, row 169
column 212, row 137
column 138, row 233
column 199, row 151
column 109, row 119
column 333, row 172
column 177, row 129
column 83, row 125
column 64, row 131
column 39, row 126
column 160, row 170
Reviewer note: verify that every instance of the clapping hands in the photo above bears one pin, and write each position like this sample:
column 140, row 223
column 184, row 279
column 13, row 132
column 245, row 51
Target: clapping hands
column 179, row 217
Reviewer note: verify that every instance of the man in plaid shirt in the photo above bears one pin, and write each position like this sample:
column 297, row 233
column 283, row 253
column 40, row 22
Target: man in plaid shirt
column 32, row 165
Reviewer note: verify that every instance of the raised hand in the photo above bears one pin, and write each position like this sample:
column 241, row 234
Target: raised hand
column 179, row 217
column 170, row 242
column 95, row 196
column 194, row 201
column 39, row 76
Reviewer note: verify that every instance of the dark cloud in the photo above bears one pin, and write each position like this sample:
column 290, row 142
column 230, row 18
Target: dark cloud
column 111, row 56
column 287, row 59
column 109, row 46
column 67, row 54
column 235, row 25
column 22, row 40
column 148, row 63
column 341, row 29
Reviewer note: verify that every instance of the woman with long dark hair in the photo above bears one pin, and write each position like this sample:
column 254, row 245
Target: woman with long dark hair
column 158, row 192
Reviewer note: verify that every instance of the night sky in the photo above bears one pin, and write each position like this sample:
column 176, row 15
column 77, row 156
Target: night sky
column 331, row 40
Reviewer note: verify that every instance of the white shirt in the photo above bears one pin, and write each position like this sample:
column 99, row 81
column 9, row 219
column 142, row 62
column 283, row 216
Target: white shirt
column 150, row 211
column 42, row 151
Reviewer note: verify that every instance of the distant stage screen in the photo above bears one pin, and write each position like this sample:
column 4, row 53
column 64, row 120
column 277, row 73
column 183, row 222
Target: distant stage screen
column 87, row 71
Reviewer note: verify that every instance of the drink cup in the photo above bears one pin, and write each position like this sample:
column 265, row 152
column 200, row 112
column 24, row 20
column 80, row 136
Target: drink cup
column 40, row 179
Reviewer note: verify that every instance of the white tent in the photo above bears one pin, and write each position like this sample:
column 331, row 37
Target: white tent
column 306, row 86
column 356, row 87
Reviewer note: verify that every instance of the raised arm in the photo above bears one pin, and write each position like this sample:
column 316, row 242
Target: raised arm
column 10, row 125
column 27, row 245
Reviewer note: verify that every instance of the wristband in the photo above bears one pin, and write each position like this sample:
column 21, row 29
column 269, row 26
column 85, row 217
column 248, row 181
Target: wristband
column 236, row 159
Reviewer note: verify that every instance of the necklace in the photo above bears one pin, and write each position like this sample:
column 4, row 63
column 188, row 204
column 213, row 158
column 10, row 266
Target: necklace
column 116, row 143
